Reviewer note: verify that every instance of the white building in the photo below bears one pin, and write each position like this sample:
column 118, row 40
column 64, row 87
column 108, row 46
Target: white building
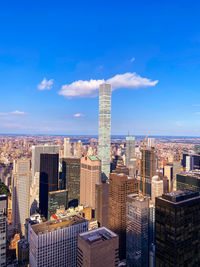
column 151, row 142
column 21, row 192
column 104, row 128
column 130, row 161
column 54, row 243
column 156, row 188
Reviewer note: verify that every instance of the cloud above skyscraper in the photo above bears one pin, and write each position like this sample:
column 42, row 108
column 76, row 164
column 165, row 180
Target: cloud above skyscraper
column 90, row 88
column 45, row 84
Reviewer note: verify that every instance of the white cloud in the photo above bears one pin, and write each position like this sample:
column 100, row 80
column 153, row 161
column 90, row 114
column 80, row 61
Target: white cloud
column 45, row 84
column 90, row 88
column 17, row 112
column 132, row 59
column 78, row 115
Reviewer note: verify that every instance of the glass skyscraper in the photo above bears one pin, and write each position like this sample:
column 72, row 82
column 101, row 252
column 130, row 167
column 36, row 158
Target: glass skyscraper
column 104, row 128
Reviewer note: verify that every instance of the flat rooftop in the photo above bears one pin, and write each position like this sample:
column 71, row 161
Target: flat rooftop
column 193, row 173
column 50, row 226
column 98, row 235
column 179, row 196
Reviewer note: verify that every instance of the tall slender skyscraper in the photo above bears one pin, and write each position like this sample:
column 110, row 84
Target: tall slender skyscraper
column 3, row 228
column 104, row 128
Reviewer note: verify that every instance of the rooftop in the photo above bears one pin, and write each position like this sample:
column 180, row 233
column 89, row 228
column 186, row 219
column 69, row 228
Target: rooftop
column 93, row 158
column 50, row 226
column 98, row 235
column 178, row 196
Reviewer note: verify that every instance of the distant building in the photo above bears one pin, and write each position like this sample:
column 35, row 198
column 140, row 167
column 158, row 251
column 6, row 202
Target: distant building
column 21, row 193
column 67, row 148
column 156, row 188
column 54, row 243
column 130, row 155
column 120, row 186
column 151, row 142
column 137, row 231
column 3, row 229
column 168, row 172
column 90, row 176
column 98, row 248
column 71, row 179
column 177, row 229
column 150, row 169
column 190, row 181
column 104, row 128
column 48, row 179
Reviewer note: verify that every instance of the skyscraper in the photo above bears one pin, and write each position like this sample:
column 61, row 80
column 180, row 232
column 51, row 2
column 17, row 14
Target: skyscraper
column 3, row 229
column 71, row 179
column 36, row 151
column 178, row 229
column 57, row 199
column 104, row 128
column 137, row 231
column 151, row 142
column 67, row 148
column 54, row 243
column 168, row 172
column 97, row 248
column 101, row 206
column 48, row 179
column 150, row 168
column 21, row 192
column 156, row 188
column 90, row 176
column 130, row 159
column 120, row 186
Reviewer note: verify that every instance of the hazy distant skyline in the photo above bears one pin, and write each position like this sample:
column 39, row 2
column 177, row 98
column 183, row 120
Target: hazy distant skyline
column 54, row 55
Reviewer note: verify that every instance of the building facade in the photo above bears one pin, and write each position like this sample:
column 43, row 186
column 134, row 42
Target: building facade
column 120, row 186
column 104, row 128
column 101, row 206
column 48, row 179
column 54, row 243
column 90, row 176
column 57, row 199
column 67, row 148
column 71, row 179
column 178, row 229
column 21, row 181
column 97, row 248
column 137, row 231
column 3, row 229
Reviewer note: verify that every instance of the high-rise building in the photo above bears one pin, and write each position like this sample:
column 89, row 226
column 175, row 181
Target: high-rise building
column 90, row 176
column 156, row 188
column 176, row 170
column 104, row 128
column 21, row 193
column 137, row 231
column 48, row 179
column 151, row 142
column 67, row 148
column 97, row 248
column 71, row 179
column 130, row 155
column 54, row 243
column 101, row 206
column 120, row 186
column 34, row 194
column 150, row 169
column 36, row 151
column 57, row 199
column 178, row 229
column 3, row 229
column 168, row 172
column 190, row 181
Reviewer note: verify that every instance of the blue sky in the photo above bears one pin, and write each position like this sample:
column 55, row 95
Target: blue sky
column 68, row 41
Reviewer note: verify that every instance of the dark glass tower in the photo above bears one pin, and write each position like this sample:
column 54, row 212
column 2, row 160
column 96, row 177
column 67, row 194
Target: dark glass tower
column 178, row 229
column 71, row 179
column 48, row 179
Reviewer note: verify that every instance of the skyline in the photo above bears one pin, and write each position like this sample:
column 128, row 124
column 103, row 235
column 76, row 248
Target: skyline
column 148, row 51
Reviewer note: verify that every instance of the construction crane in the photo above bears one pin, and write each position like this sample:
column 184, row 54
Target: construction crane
column 144, row 141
